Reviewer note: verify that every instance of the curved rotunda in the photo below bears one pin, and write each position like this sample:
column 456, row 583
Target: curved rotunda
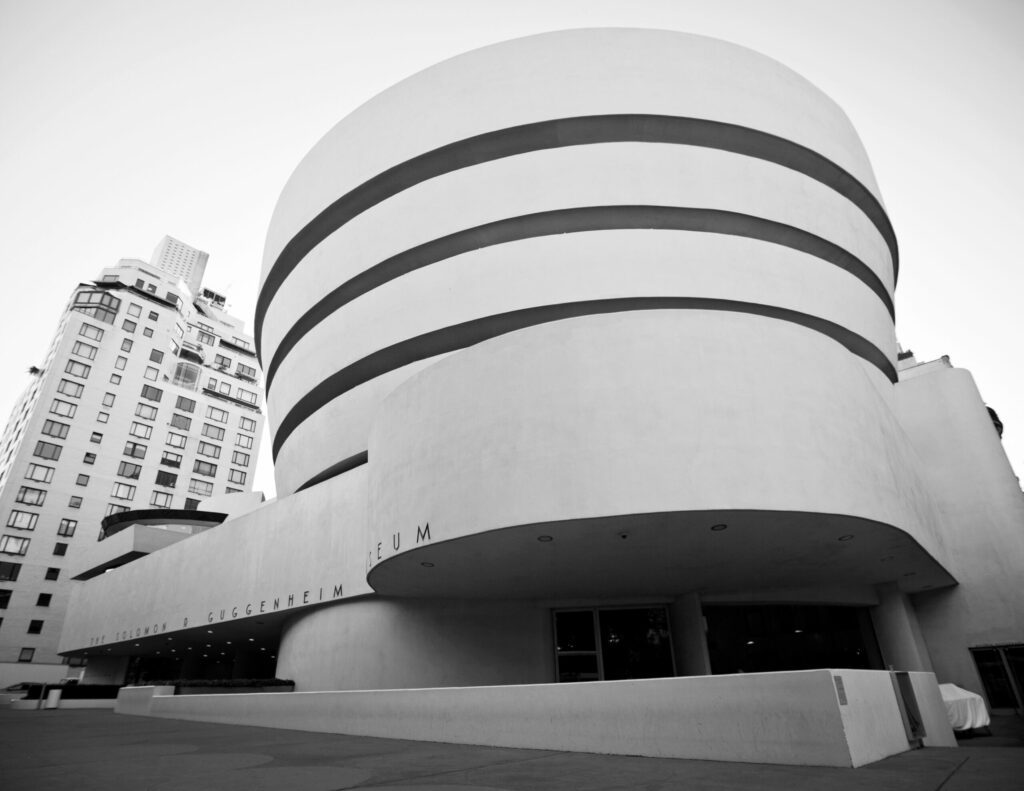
column 581, row 365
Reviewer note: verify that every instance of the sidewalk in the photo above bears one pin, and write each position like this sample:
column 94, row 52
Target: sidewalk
column 86, row 750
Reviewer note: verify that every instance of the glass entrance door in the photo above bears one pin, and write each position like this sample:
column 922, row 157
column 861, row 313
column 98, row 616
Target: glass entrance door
column 612, row 643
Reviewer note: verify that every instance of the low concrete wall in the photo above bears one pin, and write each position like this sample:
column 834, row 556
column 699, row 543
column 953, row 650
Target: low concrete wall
column 938, row 731
column 785, row 718
column 136, row 700
column 870, row 715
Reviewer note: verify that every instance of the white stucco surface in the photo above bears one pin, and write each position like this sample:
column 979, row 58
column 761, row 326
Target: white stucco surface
column 557, row 75
column 788, row 718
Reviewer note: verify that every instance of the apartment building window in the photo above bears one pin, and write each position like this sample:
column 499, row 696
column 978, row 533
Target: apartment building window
column 29, row 496
column 47, row 450
column 78, row 369
column 102, row 417
column 22, row 520
column 160, row 500
column 60, row 549
column 85, row 350
column 145, row 411
column 141, row 430
column 98, row 304
column 243, row 441
column 211, row 384
column 225, row 388
column 44, row 600
column 213, row 432
column 91, row 332
column 185, row 404
column 63, row 408
column 134, row 310
column 128, row 470
column 239, row 342
column 147, row 332
column 116, row 509
column 191, row 504
column 122, row 491
column 176, row 440
column 237, row 476
column 35, row 627
column 115, row 379
column 156, row 356
column 206, row 338
column 209, row 449
column 121, row 363
column 74, row 501
column 96, row 437
column 70, row 389
column 26, row 654
column 151, row 373
column 168, row 479
column 171, row 459
column 153, row 315
column 202, row 326
column 246, row 395
column 135, row 449
column 202, row 488
column 182, row 422
column 67, row 527
column 246, row 370
column 52, row 574
column 9, row 571
column 239, row 458
column 89, row 458
column 128, row 325
column 82, row 480
column 52, row 428
column 219, row 415
column 246, row 424
column 12, row 545
column 151, row 393
column 204, row 468
column 5, row 594
column 40, row 473
column 221, row 361
column 127, row 344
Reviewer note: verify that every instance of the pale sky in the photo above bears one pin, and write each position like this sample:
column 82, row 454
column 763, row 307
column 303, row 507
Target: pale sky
column 124, row 120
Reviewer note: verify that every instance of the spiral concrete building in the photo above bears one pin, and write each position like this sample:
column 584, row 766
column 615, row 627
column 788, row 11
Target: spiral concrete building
column 581, row 365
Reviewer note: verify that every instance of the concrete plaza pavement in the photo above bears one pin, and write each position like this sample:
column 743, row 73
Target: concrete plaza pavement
column 95, row 749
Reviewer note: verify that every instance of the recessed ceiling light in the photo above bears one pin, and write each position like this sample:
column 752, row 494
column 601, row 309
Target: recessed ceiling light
column 719, row 527
column 545, row 539
column 252, row 639
column 798, row 631
column 750, row 642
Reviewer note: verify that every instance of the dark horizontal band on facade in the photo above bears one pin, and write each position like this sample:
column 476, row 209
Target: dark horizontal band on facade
column 469, row 333
column 336, row 469
column 559, row 133
column 575, row 220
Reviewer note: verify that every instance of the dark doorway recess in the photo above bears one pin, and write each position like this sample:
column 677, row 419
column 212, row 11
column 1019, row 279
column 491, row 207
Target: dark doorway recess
column 769, row 638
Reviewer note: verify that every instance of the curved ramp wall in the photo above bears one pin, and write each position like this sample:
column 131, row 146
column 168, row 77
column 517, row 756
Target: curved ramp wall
column 549, row 180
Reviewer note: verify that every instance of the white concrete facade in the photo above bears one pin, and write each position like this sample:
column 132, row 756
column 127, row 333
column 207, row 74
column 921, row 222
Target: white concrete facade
column 599, row 323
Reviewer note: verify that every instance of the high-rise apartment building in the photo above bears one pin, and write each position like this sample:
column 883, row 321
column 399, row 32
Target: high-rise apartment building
column 148, row 398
